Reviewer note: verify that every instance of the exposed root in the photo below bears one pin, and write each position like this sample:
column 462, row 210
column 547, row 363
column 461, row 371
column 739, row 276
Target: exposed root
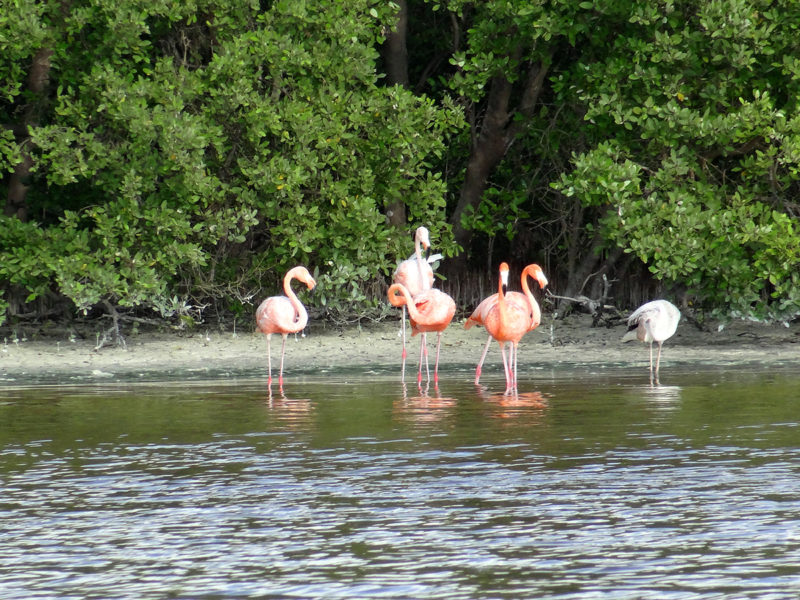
column 112, row 334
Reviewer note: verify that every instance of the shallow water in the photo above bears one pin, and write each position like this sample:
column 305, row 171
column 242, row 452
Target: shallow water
column 351, row 487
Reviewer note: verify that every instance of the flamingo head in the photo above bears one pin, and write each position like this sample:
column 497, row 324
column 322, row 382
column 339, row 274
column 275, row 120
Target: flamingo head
column 422, row 237
column 504, row 277
column 302, row 274
column 536, row 272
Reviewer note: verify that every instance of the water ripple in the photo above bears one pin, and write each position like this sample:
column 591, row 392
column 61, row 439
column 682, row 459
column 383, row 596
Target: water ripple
column 312, row 506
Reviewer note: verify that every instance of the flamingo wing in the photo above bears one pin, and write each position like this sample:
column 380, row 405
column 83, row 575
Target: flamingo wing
column 516, row 324
column 522, row 301
column 277, row 315
column 434, row 311
column 478, row 316
column 654, row 321
column 414, row 278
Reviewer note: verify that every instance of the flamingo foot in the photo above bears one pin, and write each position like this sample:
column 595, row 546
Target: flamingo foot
column 404, row 353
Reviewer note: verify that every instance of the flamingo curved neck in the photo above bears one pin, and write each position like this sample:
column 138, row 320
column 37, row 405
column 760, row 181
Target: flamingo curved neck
column 301, row 316
column 536, row 311
column 394, row 299
column 418, row 254
column 413, row 311
column 412, row 307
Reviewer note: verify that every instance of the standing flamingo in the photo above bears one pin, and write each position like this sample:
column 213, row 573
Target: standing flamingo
column 478, row 317
column 430, row 310
column 416, row 275
column 654, row 321
column 284, row 314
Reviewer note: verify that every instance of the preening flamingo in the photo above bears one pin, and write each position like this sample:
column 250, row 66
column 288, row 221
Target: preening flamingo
column 507, row 317
column 284, row 314
column 654, row 321
column 416, row 275
column 429, row 310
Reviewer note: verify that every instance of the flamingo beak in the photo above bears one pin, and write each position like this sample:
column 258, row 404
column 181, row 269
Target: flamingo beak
column 541, row 279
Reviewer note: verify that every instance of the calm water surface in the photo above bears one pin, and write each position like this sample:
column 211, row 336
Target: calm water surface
column 352, row 487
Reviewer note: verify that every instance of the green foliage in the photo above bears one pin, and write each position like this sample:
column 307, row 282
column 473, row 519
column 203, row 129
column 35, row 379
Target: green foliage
column 498, row 212
column 196, row 150
column 701, row 174
column 204, row 148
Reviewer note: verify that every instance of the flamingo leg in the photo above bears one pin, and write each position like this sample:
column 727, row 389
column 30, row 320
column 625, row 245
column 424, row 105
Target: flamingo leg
column 425, row 345
column 269, row 361
column 403, row 377
column 514, row 352
column 436, row 366
column 421, row 352
column 658, row 362
column 283, row 351
column 505, row 366
column 651, row 364
column 483, row 357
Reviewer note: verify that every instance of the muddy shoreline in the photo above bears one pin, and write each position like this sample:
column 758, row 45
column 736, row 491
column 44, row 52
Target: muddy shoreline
column 571, row 343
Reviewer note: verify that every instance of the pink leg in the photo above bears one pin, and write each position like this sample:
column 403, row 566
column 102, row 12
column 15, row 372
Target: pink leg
column 514, row 352
column 283, row 351
column 425, row 345
column 403, row 376
column 506, row 367
column 269, row 361
column 421, row 352
column 436, row 366
column 480, row 363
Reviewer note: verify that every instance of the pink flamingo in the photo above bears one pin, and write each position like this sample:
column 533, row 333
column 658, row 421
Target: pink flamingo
column 284, row 314
column 507, row 317
column 416, row 275
column 430, row 310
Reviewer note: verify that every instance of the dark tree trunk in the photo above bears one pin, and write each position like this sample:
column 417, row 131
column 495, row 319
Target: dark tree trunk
column 588, row 270
column 395, row 52
column 38, row 79
column 494, row 136
column 395, row 57
column 18, row 190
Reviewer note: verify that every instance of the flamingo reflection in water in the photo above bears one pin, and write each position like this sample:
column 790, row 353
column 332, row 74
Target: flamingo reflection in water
column 293, row 413
column 516, row 405
column 424, row 408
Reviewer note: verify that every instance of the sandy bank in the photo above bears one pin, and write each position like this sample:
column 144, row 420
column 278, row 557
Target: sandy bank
column 564, row 343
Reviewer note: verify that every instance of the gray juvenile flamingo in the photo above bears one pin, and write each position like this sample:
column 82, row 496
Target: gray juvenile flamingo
column 654, row 321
